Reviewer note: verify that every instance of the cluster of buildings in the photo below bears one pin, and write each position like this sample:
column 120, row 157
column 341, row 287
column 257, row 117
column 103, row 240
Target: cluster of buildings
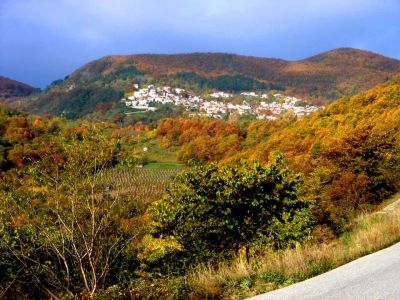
column 221, row 95
column 282, row 104
column 148, row 97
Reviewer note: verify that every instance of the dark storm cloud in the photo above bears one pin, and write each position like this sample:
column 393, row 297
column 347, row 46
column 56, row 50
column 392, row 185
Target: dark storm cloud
column 43, row 40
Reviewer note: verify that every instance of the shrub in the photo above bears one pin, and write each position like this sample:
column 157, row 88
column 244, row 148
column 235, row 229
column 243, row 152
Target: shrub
column 215, row 211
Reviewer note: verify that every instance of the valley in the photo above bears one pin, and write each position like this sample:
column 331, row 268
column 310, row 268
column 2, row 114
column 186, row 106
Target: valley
column 189, row 150
column 202, row 175
column 159, row 192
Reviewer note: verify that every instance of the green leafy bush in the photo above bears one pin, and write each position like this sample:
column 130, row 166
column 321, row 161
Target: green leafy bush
column 216, row 211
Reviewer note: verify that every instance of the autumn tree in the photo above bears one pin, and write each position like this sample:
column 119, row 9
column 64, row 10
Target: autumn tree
column 77, row 224
column 214, row 211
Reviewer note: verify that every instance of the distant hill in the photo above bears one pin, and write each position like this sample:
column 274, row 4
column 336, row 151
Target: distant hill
column 10, row 88
column 327, row 75
column 98, row 85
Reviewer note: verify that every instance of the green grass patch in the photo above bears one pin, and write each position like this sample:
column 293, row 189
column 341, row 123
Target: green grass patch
column 155, row 153
column 163, row 165
column 138, row 112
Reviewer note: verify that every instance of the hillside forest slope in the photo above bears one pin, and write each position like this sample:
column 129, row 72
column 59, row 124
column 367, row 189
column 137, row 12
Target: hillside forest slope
column 98, row 86
column 348, row 152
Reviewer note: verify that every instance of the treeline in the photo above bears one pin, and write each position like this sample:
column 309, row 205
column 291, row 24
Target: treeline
column 230, row 83
column 76, row 102
column 25, row 139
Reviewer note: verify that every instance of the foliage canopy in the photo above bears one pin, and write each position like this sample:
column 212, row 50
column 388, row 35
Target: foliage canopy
column 216, row 210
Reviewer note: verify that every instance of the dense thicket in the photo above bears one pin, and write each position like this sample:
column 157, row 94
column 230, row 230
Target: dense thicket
column 231, row 83
column 63, row 230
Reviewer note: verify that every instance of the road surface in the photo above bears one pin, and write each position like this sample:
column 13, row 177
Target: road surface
column 372, row 277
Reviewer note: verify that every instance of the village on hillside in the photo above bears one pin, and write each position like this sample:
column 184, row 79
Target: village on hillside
column 268, row 107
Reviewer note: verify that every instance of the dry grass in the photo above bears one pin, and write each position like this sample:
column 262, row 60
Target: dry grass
column 389, row 201
column 271, row 270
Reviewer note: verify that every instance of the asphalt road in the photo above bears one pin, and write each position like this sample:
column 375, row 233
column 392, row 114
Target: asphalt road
column 372, row 277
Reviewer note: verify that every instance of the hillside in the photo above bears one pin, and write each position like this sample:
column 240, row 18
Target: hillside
column 337, row 163
column 328, row 75
column 99, row 85
column 10, row 88
column 348, row 153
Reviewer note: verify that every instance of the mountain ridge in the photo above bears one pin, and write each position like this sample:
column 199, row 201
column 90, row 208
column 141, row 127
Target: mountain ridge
column 100, row 84
column 330, row 66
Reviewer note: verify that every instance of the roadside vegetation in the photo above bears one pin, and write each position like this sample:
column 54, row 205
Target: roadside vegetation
column 275, row 269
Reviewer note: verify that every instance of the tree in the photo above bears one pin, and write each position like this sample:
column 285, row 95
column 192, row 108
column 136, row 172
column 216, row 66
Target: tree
column 213, row 211
column 74, row 230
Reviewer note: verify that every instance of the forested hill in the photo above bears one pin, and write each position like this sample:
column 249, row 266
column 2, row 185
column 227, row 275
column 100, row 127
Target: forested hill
column 10, row 88
column 328, row 75
column 97, row 87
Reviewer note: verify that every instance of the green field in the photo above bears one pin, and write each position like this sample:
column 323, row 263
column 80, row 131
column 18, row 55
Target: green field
column 163, row 165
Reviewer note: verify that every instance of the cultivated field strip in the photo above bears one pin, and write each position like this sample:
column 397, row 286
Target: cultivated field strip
column 144, row 184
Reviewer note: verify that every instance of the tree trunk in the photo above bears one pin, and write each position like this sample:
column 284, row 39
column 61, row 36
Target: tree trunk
column 248, row 254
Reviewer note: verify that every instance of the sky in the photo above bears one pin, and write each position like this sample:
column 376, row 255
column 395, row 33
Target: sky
column 45, row 40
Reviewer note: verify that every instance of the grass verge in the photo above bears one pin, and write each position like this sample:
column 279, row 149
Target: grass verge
column 271, row 270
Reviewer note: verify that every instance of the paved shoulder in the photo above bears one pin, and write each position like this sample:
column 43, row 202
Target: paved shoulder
column 375, row 276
